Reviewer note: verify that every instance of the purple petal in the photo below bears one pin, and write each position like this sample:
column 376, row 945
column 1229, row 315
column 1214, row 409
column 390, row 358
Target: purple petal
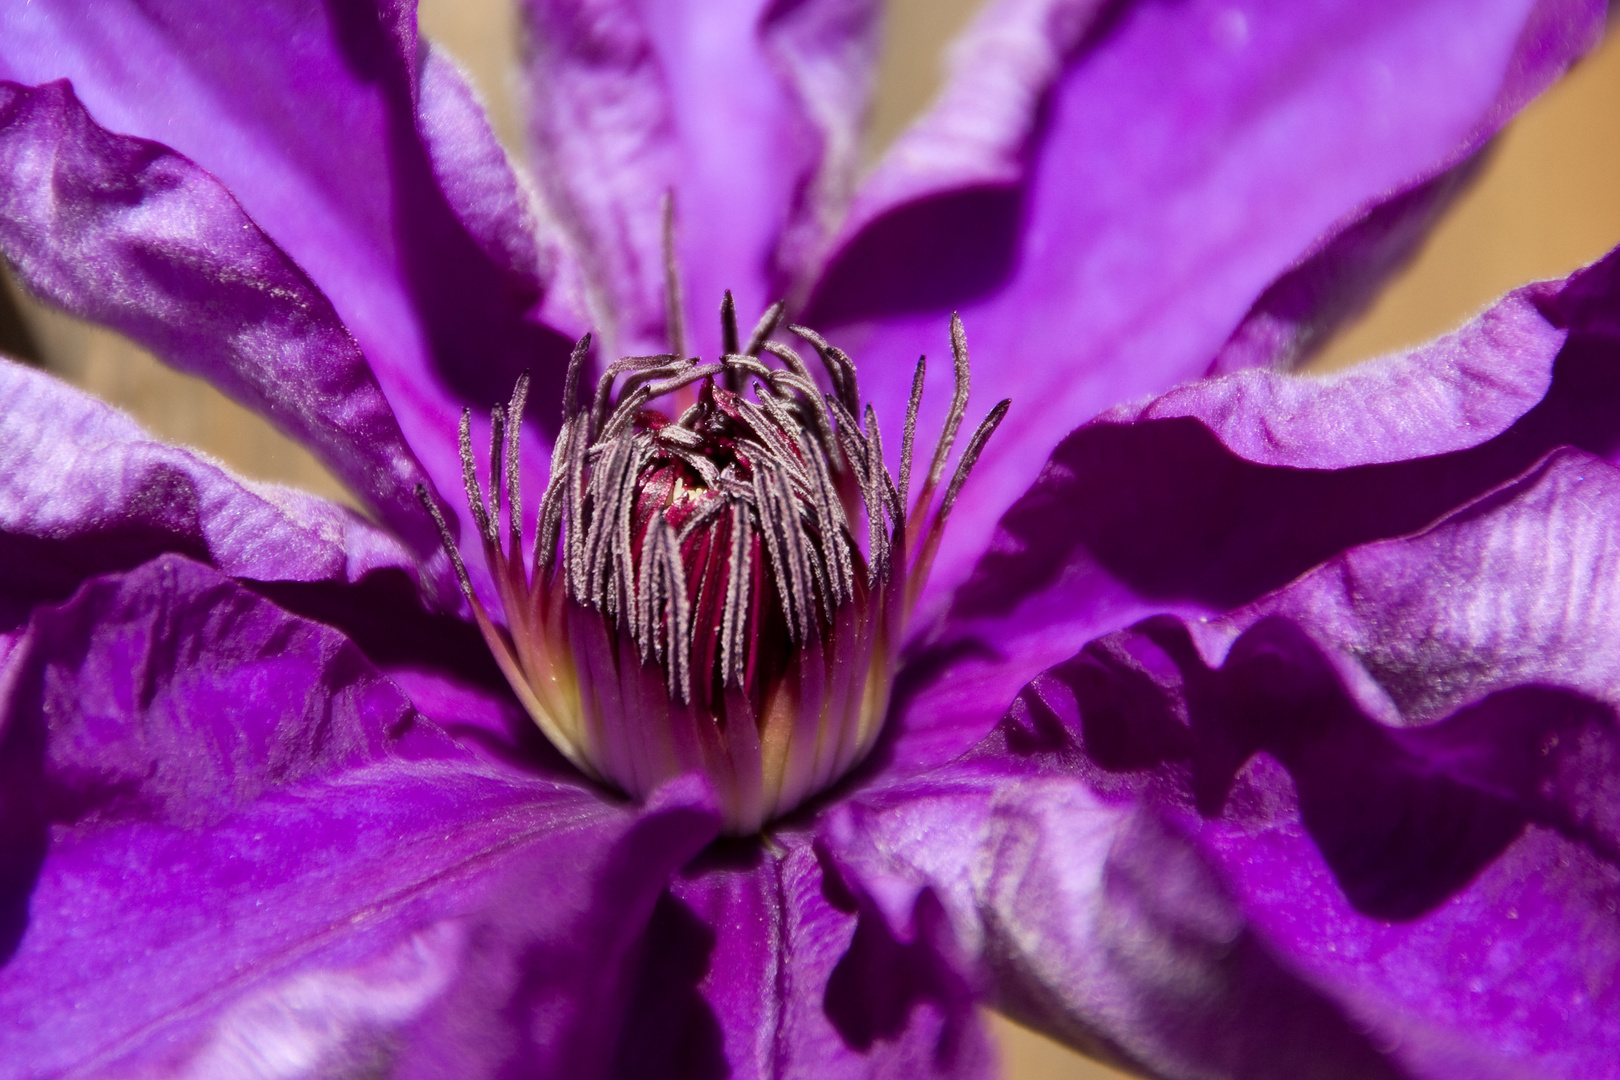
column 1303, row 307
column 760, row 963
column 1219, row 491
column 1344, row 272
column 83, row 491
column 977, row 131
column 1103, row 926
column 1398, row 857
column 1537, row 588
column 124, row 232
column 902, row 991
column 747, row 110
column 495, row 207
column 230, row 808
column 1188, row 155
column 309, row 117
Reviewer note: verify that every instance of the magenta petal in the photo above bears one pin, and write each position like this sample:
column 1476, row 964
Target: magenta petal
column 124, row 232
column 976, row 133
column 1344, row 271
column 748, row 111
column 1337, row 282
column 229, row 808
column 84, row 491
column 1537, row 552
column 1189, row 154
column 355, row 157
column 495, row 207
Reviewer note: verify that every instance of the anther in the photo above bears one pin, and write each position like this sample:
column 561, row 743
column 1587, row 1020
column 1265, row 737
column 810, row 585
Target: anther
column 698, row 599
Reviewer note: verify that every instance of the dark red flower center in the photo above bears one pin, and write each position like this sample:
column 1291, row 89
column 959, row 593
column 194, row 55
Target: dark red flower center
column 699, row 595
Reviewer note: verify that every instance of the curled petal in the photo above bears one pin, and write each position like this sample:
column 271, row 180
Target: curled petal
column 84, row 491
column 1402, row 845
column 1140, row 234
column 362, row 157
column 1215, row 493
column 125, row 232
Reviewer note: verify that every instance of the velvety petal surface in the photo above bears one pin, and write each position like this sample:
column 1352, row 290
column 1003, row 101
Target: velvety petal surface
column 130, row 234
column 230, row 808
column 1181, row 159
column 361, row 155
column 747, row 110
column 84, row 491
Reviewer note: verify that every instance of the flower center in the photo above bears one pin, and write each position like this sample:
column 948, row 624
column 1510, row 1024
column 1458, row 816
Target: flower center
column 698, row 596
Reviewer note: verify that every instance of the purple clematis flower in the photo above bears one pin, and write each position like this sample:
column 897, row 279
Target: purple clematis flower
column 1260, row 727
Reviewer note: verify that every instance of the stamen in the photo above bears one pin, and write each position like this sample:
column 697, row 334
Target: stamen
column 738, row 364
column 909, row 439
column 734, row 625
column 551, row 506
column 674, row 303
column 970, row 457
column 497, row 439
column 469, row 478
column 840, row 368
column 729, row 342
column 705, row 513
column 713, row 608
column 514, row 501
column 576, row 364
column 776, row 529
column 766, row 326
column 447, row 540
column 959, row 398
column 574, row 561
column 891, row 497
column 631, row 364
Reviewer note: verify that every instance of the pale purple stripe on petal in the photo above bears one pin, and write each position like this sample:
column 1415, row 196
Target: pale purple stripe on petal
column 1369, row 823
column 1216, row 492
column 747, row 110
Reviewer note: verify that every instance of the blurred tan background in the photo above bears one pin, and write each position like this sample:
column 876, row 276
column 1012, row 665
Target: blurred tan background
column 1547, row 202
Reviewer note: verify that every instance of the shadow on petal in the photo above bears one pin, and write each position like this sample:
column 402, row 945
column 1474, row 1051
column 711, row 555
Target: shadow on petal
column 879, row 985
column 931, row 255
column 1166, row 508
column 23, row 826
column 474, row 312
column 1404, row 817
column 670, row 1030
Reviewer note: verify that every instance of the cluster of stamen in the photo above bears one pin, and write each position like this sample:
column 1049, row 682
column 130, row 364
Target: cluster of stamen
column 696, row 597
